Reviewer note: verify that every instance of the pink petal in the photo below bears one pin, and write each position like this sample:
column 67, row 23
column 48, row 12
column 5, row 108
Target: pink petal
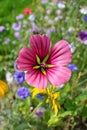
column 36, row 79
column 40, row 44
column 60, row 54
column 58, row 75
column 26, row 59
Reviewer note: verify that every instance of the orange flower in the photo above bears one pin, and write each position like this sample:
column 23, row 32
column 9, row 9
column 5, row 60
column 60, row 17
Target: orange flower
column 3, row 89
column 27, row 11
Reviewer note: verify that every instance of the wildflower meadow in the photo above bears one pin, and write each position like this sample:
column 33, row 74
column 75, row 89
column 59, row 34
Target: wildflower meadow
column 43, row 65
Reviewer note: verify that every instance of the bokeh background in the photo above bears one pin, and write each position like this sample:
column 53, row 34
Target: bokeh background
column 59, row 19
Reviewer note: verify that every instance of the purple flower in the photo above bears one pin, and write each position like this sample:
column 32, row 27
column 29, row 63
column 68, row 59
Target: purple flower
column 19, row 77
column 39, row 112
column 44, row 1
column 58, row 11
column 7, row 40
column 50, row 21
column 35, row 28
column 17, row 35
column 85, row 18
column 16, row 26
column 50, row 30
column 82, row 35
column 72, row 67
column 23, row 92
column 2, row 28
column 19, row 17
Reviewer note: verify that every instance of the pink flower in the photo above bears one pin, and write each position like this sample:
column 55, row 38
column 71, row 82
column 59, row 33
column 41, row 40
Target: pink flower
column 44, row 64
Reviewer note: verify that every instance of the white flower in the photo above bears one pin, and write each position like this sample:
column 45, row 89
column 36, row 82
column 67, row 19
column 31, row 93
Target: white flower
column 61, row 5
column 83, row 10
column 56, row 19
column 48, row 11
column 31, row 17
column 46, row 17
column 72, row 47
column 71, row 30
column 9, row 77
column 83, row 42
column 61, row 86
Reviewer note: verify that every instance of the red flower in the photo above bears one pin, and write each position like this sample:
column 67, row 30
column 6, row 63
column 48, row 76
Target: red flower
column 27, row 11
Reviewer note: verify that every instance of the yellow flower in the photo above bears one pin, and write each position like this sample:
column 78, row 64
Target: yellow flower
column 38, row 91
column 52, row 97
column 3, row 89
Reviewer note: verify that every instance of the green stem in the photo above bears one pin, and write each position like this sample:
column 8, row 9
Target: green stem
column 82, row 82
column 30, row 116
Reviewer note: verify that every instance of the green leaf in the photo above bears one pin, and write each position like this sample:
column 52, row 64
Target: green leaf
column 54, row 121
column 81, row 98
column 64, row 91
column 64, row 114
column 22, row 126
column 57, row 120
column 1, row 57
column 84, row 112
column 47, row 115
column 70, row 105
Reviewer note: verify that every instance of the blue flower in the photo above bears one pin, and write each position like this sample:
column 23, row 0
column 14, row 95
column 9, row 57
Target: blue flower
column 23, row 92
column 19, row 77
column 72, row 67
column 85, row 18
column 41, row 96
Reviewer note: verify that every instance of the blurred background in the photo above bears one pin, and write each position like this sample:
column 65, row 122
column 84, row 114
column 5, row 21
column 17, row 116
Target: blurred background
column 59, row 19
